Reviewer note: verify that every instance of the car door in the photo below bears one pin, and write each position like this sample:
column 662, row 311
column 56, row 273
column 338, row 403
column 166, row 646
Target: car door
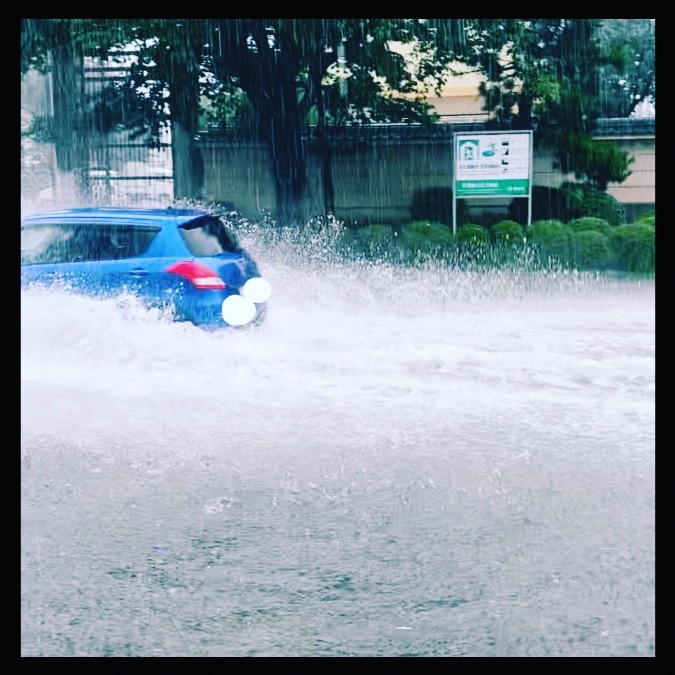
column 91, row 257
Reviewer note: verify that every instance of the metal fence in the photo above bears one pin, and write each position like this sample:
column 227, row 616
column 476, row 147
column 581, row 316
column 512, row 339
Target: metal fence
column 128, row 174
column 117, row 169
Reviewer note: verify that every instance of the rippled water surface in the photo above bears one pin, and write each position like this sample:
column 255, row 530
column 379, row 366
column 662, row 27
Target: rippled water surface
column 399, row 462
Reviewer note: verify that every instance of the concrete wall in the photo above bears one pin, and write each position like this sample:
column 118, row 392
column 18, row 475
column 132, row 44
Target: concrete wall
column 376, row 178
column 639, row 187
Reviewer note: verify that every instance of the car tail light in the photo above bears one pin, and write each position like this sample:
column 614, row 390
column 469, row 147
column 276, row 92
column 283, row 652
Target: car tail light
column 198, row 275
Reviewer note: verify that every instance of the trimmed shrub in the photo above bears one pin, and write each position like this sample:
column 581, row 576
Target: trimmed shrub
column 570, row 201
column 423, row 238
column 590, row 223
column 582, row 199
column 552, row 237
column 647, row 219
column 473, row 233
column 508, row 237
column 371, row 239
column 587, row 243
column 507, row 231
column 425, row 234
column 590, row 249
column 635, row 247
column 474, row 248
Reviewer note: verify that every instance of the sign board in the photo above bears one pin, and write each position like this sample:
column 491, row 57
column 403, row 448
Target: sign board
column 492, row 164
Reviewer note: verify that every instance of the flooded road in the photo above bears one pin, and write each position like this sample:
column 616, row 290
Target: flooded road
column 399, row 462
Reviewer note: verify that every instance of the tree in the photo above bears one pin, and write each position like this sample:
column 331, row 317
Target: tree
column 45, row 42
column 628, row 78
column 165, row 67
column 282, row 66
column 542, row 74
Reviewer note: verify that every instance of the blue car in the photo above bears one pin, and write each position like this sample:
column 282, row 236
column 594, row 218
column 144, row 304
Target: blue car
column 184, row 260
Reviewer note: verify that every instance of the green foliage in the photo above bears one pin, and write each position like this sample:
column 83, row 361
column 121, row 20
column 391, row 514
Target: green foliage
column 558, row 65
column 586, row 244
column 227, row 107
column 474, row 245
column 473, row 233
column 648, row 219
column 591, row 223
column 635, row 247
column 507, row 231
column 552, row 237
column 508, row 237
column 582, row 199
column 550, row 227
column 262, row 56
column 590, row 249
column 569, row 202
column 270, row 76
column 629, row 76
column 599, row 162
column 280, row 65
column 371, row 240
column 423, row 234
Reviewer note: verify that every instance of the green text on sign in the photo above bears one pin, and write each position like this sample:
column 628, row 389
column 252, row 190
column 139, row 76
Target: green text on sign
column 515, row 187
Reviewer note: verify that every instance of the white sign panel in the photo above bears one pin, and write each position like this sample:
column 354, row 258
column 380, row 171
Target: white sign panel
column 493, row 164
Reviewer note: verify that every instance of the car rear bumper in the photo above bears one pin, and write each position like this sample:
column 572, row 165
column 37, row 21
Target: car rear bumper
column 205, row 308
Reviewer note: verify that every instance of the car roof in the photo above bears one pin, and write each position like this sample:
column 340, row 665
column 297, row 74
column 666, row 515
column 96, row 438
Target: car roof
column 118, row 215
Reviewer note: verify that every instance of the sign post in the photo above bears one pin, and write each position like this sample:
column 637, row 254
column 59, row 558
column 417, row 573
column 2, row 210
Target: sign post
column 492, row 164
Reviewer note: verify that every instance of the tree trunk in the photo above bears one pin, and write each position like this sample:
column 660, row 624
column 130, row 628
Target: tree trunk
column 188, row 161
column 70, row 135
column 287, row 151
column 188, row 164
column 268, row 76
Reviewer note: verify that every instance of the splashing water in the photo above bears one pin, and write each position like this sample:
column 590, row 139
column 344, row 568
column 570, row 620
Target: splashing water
column 427, row 461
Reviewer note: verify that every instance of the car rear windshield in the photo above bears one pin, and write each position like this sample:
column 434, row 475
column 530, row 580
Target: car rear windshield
column 70, row 242
column 209, row 236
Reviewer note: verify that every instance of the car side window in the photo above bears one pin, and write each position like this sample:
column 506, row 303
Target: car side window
column 70, row 242
column 130, row 242
column 43, row 244
column 208, row 236
column 48, row 243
